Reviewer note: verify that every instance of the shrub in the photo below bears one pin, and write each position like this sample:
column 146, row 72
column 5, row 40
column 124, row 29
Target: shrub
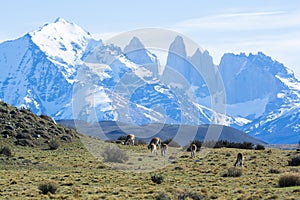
column 259, row 147
column 294, row 169
column 122, row 137
column 295, row 161
column 274, row 171
column 111, row 154
column 140, row 142
column 66, row 138
column 47, row 187
column 25, row 142
column 158, row 179
column 289, row 180
column 24, row 135
column 53, row 144
column 171, row 143
column 233, row 172
column 223, row 143
column 189, row 195
column 47, row 118
column 6, row 151
column 162, row 196
column 8, row 133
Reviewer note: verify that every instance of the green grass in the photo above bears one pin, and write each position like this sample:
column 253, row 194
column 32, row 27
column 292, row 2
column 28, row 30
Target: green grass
column 82, row 174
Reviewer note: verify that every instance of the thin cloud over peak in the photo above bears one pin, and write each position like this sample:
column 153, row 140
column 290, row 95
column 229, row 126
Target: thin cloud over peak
column 241, row 21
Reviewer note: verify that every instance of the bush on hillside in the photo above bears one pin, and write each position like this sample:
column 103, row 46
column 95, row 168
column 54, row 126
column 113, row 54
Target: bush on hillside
column 5, row 151
column 189, row 195
column 259, row 147
column 114, row 154
column 162, row 196
column 47, row 118
column 47, row 187
column 228, row 144
column 222, row 144
column 158, row 179
column 122, row 137
column 53, row 144
column 25, row 143
column 274, row 171
column 140, row 142
column 171, row 143
column 288, row 180
column 233, row 172
column 295, row 161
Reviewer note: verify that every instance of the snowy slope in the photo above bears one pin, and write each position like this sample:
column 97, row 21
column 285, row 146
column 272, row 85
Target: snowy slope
column 266, row 93
column 38, row 69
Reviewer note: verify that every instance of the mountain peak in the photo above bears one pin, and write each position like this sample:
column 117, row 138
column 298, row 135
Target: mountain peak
column 59, row 19
column 134, row 44
column 136, row 52
column 178, row 39
column 62, row 41
column 178, row 47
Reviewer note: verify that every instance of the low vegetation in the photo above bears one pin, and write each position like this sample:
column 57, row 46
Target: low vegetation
column 225, row 144
column 6, row 151
column 162, row 196
column 259, row 147
column 53, row 144
column 85, row 168
column 47, row 187
column 295, row 161
column 190, row 195
column 28, row 129
column 289, row 179
column 77, row 174
column 157, row 178
column 114, row 154
column 233, row 172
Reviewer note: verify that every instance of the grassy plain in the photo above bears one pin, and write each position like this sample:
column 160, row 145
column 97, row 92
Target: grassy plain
column 81, row 174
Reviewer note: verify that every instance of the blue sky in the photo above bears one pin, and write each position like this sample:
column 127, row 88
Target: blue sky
column 270, row 26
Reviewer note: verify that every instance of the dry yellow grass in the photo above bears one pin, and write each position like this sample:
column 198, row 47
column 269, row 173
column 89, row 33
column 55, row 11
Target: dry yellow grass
column 81, row 174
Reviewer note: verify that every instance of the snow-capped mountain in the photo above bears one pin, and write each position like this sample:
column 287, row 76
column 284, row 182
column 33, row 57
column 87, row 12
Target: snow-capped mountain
column 39, row 69
column 60, row 70
column 132, row 87
column 264, row 92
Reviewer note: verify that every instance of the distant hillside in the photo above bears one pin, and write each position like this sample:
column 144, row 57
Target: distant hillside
column 110, row 130
column 28, row 129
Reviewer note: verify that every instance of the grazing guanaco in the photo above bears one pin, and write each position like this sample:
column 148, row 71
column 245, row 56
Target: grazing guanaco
column 193, row 148
column 153, row 148
column 164, row 148
column 239, row 160
column 155, row 141
column 129, row 140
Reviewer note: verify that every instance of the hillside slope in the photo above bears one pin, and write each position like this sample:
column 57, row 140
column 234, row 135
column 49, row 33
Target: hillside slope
column 28, row 129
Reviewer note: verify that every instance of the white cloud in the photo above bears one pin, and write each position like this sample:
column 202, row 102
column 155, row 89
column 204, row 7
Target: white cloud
column 241, row 21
